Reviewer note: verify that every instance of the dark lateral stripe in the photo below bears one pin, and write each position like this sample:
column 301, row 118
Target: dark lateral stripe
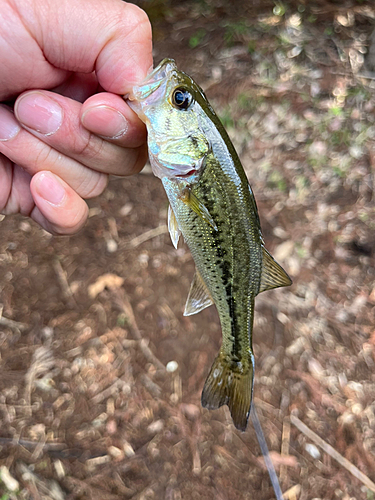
column 227, row 281
column 227, row 278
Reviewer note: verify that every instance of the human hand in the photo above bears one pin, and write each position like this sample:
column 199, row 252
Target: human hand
column 55, row 151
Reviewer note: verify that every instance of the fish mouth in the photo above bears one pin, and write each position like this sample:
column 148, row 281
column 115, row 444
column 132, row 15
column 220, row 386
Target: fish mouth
column 152, row 88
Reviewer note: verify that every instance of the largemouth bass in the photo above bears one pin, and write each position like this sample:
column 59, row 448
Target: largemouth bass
column 213, row 206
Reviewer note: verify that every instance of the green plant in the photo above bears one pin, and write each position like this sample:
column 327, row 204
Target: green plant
column 249, row 101
column 226, row 118
column 235, row 32
column 279, row 9
column 277, row 180
column 197, row 38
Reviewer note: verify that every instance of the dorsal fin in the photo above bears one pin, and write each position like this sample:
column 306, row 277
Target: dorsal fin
column 273, row 275
column 199, row 297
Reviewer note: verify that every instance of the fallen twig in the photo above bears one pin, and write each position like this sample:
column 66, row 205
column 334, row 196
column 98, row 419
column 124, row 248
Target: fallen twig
column 148, row 235
column 150, row 385
column 38, row 450
column 333, row 453
column 357, row 75
column 125, row 305
column 264, row 406
column 63, row 282
column 48, row 446
column 318, row 393
column 39, row 486
column 108, row 391
column 41, row 364
column 285, row 439
column 14, row 325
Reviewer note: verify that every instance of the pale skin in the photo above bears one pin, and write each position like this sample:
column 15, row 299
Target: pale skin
column 59, row 137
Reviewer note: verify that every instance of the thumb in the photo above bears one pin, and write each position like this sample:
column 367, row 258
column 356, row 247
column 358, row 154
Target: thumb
column 111, row 37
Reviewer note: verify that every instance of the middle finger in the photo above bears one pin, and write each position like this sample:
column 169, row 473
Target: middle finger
column 34, row 155
column 55, row 120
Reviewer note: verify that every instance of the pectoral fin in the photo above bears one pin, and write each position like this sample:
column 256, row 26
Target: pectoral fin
column 173, row 228
column 199, row 297
column 273, row 275
column 189, row 198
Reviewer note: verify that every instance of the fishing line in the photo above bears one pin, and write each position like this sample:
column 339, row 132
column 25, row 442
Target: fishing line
column 266, row 454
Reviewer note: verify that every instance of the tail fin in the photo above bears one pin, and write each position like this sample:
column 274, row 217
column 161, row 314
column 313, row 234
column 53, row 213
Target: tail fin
column 230, row 383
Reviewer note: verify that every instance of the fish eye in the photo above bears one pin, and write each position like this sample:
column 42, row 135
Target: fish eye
column 181, row 98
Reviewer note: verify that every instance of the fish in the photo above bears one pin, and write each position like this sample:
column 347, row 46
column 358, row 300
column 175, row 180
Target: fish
column 212, row 205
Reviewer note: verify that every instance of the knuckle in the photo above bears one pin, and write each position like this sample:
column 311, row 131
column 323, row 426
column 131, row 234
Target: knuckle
column 73, row 223
column 92, row 185
column 88, row 147
column 139, row 161
column 6, row 170
column 46, row 156
column 134, row 22
column 136, row 18
column 76, row 223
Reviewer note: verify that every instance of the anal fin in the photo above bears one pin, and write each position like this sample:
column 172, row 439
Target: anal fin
column 199, row 297
column 232, row 385
column 273, row 275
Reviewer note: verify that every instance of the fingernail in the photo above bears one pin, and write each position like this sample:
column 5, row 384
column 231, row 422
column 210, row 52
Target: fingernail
column 105, row 121
column 9, row 126
column 49, row 188
column 38, row 112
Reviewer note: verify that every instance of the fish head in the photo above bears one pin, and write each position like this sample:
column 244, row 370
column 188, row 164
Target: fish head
column 172, row 106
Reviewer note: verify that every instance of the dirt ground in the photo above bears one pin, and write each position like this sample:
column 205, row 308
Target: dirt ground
column 101, row 375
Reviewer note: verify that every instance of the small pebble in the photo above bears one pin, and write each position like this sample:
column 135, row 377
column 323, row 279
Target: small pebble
column 111, row 246
column 172, row 366
column 357, row 408
column 190, row 411
column 25, row 226
column 111, row 426
column 126, row 209
column 284, row 250
column 115, row 452
column 92, row 463
column 155, row 427
column 128, row 449
column 280, row 232
column 315, row 368
column 283, row 318
column 312, row 450
column 59, row 468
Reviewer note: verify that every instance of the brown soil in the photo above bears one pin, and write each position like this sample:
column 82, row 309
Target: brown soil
column 89, row 406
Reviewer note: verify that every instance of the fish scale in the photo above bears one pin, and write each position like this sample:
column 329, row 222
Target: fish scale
column 213, row 207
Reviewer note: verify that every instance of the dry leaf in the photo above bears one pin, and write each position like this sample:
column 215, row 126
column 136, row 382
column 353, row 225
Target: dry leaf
column 107, row 280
